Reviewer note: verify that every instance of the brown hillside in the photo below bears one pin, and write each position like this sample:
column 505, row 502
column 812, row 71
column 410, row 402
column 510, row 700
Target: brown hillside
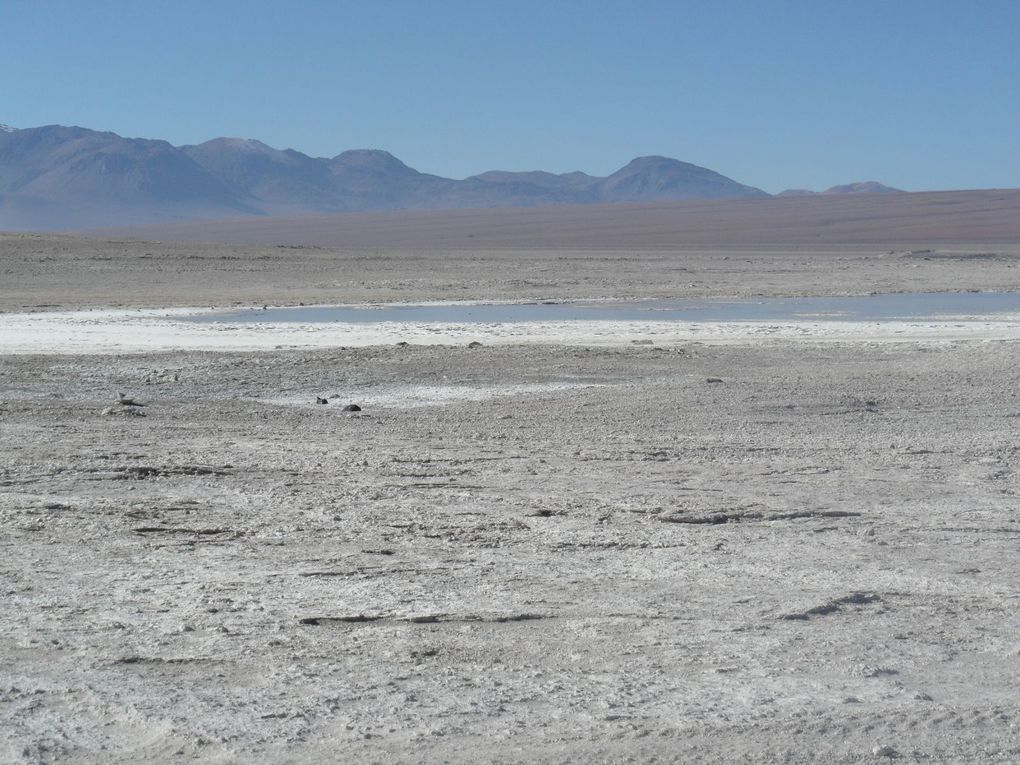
column 918, row 219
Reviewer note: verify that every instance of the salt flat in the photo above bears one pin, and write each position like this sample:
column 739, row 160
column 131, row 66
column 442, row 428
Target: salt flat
column 760, row 547
column 137, row 331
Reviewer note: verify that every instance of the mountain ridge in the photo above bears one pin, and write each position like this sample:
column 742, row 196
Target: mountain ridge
column 67, row 177
column 858, row 187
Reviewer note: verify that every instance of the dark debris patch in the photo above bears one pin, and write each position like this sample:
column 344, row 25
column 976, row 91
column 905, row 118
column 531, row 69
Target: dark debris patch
column 141, row 472
column 833, row 606
column 753, row 516
column 320, row 621
column 325, row 621
column 180, row 530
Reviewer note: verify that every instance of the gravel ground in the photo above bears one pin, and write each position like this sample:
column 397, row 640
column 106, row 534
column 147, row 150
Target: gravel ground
column 760, row 552
column 46, row 272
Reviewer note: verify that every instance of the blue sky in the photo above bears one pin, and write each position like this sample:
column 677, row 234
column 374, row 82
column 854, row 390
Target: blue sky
column 920, row 94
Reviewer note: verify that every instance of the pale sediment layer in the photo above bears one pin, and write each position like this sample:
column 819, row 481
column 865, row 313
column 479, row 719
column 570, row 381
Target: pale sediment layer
column 139, row 331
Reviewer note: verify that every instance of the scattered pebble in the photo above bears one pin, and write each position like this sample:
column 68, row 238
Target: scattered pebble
column 123, row 411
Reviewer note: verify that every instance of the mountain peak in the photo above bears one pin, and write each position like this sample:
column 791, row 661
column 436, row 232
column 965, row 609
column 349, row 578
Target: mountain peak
column 655, row 160
column 372, row 159
column 239, row 144
column 6, row 128
column 863, row 187
column 656, row 177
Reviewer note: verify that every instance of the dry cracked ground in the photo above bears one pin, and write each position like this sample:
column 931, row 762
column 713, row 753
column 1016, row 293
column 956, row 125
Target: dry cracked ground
column 771, row 553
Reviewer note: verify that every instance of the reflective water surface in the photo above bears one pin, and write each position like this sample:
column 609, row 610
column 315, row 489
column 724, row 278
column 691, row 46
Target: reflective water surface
column 885, row 307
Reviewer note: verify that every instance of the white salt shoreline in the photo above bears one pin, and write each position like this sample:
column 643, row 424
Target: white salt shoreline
column 161, row 330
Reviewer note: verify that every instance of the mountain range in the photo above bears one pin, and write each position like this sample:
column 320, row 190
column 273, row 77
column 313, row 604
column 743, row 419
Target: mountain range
column 56, row 177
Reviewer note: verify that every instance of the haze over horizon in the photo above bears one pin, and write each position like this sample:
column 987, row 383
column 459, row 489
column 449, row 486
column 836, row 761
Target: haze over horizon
column 792, row 95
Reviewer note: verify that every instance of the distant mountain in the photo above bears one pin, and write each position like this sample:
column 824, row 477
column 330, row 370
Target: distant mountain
column 643, row 179
column 862, row 187
column 539, row 187
column 648, row 179
column 6, row 128
column 287, row 180
column 57, row 177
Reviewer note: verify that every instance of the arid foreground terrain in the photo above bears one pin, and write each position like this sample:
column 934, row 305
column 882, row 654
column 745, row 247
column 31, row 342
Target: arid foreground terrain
column 762, row 551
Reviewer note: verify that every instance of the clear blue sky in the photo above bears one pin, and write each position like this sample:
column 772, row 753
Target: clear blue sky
column 921, row 94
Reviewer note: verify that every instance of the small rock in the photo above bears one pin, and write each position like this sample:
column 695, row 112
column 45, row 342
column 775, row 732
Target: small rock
column 403, row 344
column 883, row 751
column 321, row 400
column 713, row 379
column 123, row 411
column 474, row 344
column 352, row 408
column 869, row 671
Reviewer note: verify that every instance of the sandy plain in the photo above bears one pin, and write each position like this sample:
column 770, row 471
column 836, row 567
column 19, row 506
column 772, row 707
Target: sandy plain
column 520, row 552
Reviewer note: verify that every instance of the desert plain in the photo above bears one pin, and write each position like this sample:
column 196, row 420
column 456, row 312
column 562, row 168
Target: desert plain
column 758, row 547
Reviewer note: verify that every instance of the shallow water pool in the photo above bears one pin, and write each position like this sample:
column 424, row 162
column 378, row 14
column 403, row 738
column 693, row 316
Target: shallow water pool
column 884, row 307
